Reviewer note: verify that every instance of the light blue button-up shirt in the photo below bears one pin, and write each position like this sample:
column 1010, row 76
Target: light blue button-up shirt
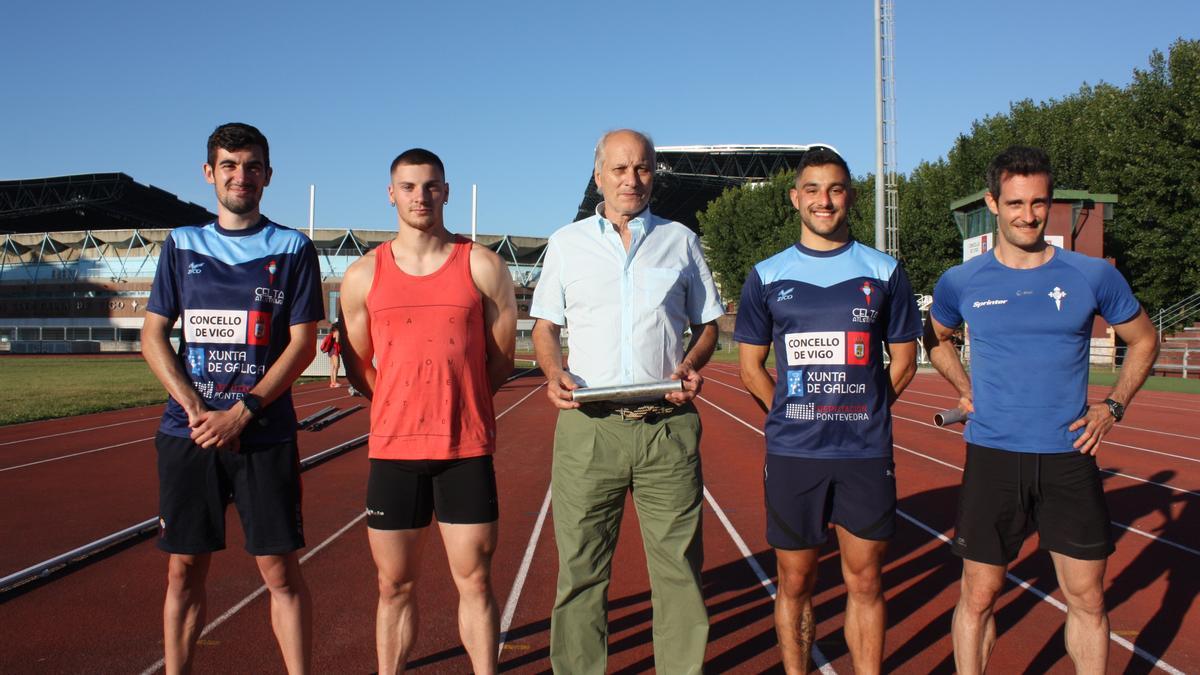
column 625, row 312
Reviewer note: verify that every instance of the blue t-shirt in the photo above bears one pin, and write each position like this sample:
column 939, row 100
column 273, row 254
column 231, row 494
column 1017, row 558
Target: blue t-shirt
column 828, row 314
column 1030, row 334
column 238, row 292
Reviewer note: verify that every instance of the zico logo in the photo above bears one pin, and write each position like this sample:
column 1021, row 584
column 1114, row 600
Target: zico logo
column 828, row 348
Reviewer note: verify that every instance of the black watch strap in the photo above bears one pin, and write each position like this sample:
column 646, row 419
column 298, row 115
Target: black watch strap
column 253, row 404
column 1117, row 410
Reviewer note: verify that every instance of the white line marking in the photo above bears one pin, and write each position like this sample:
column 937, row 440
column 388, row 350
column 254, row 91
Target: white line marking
column 514, row 594
column 1154, row 537
column 1157, row 662
column 77, row 431
column 76, row 454
column 262, row 589
column 818, row 658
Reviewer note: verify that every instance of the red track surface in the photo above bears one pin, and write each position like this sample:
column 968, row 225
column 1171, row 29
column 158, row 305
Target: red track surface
column 96, row 475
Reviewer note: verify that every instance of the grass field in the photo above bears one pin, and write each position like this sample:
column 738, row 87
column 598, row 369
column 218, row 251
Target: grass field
column 36, row 388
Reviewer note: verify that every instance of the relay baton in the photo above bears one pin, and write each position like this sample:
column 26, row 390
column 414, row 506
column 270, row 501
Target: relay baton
column 951, row 416
column 627, row 391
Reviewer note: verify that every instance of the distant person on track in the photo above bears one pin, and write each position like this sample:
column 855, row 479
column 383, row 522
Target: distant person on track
column 626, row 284
column 1031, row 435
column 829, row 305
column 248, row 292
column 438, row 314
column 331, row 346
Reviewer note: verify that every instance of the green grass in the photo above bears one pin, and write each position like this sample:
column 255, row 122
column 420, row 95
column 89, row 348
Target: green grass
column 37, row 388
column 1106, row 378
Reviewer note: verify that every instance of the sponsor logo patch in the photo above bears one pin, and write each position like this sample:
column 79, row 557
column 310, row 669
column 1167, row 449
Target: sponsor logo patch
column 268, row 295
column 863, row 315
column 260, row 328
column 195, row 268
column 785, row 294
column 858, row 348
column 988, row 303
column 816, row 349
column 795, row 382
column 220, row 326
column 1058, row 295
column 800, row 411
column 196, row 361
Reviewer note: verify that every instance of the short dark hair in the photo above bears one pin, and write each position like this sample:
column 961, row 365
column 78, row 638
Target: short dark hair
column 237, row 136
column 819, row 155
column 416, row 157
column 1018, row 160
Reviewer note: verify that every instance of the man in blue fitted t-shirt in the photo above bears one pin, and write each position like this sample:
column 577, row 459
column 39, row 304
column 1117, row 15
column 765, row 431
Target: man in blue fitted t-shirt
column 829, row 306
column 1031, row 434
column 247, row 293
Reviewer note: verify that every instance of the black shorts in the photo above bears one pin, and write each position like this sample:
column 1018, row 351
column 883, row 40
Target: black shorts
column 403, row 494
column 804, row 496
column 196, row 484
column 1006, row 495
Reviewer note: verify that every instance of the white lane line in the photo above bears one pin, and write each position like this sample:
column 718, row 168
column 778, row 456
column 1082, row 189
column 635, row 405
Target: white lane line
column 75, row 454
column 262, row 589
column 78, row 431
column 117, row 445
column 818, row 658
column 514, row 594
column 1123, row 526
column 1157, row 662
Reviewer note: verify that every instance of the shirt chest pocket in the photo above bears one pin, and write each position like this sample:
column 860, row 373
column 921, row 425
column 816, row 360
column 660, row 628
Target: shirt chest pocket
column 658, row 285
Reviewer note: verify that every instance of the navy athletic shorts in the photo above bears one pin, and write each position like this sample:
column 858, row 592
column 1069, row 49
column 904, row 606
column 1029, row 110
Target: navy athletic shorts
column 195, row 485
column 1007, row 495
column 403, row 494
column 804, row 496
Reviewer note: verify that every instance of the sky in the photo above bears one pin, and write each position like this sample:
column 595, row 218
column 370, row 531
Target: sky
column 513, row 96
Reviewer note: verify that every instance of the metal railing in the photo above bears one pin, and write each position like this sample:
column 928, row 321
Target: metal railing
column 1181, row 312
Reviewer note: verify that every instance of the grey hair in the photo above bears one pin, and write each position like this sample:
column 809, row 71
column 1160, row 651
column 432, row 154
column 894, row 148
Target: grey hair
column 643, row 137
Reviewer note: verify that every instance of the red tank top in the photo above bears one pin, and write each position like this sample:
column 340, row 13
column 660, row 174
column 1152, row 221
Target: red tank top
column 432, row 396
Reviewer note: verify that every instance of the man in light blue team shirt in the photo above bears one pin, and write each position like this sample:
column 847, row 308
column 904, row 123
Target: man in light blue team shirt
column 627, row 273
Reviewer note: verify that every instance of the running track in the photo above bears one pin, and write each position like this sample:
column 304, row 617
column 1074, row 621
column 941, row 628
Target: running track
column 67, row 482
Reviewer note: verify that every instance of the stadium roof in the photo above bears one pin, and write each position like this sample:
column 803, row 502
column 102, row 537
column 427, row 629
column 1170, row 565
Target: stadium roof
column 688, row 177
column 94, row 201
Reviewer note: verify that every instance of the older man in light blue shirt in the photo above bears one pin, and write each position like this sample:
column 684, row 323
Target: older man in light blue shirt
column 626, row 284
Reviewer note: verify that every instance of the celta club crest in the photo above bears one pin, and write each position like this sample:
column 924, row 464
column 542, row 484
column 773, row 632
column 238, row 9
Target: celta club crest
column 1058, row 294
column 271, row 269
column 866, row 289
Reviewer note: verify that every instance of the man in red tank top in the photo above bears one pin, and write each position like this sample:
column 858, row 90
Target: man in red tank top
column 430, row 327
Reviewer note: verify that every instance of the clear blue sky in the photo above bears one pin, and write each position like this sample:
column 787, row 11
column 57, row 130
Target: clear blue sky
column 513, row 95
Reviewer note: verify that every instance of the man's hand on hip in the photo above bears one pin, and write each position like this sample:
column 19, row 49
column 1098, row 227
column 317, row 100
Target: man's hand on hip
column 1096, row 423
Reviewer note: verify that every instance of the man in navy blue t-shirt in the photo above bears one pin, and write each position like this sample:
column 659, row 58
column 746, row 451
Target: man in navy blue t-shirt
column 248, row 295
column 1031, row 435
column 828, row 305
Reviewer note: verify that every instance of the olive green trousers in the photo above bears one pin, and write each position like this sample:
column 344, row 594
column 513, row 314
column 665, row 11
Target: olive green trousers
column 598, row 459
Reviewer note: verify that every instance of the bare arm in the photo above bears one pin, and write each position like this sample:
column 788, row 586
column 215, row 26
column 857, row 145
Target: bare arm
column 699, row 351
column 357, row 349
column 223, row 427
column 902, row 368
column 547, row 346
column 495, row 285
column 945, row 359
column 1141, row 342
column 752, row 360
column 164, row 363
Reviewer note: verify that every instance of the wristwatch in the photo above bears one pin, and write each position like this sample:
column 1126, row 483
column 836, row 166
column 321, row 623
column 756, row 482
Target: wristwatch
column 1117, row 410
column 254, row 405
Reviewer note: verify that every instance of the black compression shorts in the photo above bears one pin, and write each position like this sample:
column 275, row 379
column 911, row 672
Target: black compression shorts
column 404, row 494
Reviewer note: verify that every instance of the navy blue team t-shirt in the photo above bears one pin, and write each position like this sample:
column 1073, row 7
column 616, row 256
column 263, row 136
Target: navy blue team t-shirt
column 1030, row 335
column 238, row 292
column 828, row 313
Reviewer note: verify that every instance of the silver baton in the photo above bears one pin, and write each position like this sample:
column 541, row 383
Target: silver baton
column 951, row 416
column 623, row 392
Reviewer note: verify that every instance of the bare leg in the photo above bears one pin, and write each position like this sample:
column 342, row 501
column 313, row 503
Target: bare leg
column 1082, row 584
column 291, row 609
column 183, row 610
column 397, row 555
column 974, row 625
column 794, row 624
column 469, row 549
column 866, row 612
column 334, row 362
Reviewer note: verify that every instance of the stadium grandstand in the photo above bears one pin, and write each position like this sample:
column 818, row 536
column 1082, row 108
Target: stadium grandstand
column 688, row 177
column 78, row 253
